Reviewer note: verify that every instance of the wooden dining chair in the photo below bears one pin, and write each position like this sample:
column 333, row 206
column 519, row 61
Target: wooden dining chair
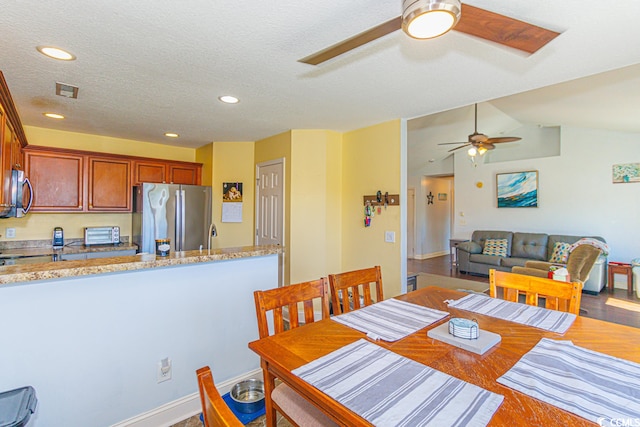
column 352, row 290
column 282, row 398
column 561, row 296
column 215, row 411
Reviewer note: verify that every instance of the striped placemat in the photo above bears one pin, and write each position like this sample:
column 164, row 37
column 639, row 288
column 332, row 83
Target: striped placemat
column 387, row 389
column 538, row 317
column 390, row 320
column 592, row 385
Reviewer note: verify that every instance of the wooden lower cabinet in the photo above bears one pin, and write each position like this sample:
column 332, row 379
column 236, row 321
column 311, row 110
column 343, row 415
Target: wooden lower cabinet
column 109, row 184
column 57, row 180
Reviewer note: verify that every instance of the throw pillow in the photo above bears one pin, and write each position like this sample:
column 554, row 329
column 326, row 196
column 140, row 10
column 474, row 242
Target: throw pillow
column 495, row 247
column 560, row 253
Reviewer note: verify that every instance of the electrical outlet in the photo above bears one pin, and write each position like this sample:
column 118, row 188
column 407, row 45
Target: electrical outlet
column 390, row 236
column 10, row 233
column 164, row 370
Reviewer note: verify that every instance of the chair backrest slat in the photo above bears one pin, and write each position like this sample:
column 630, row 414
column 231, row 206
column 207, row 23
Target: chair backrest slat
column 352, row 290
column 289, row 296
column 215, row 411
column 561, row 296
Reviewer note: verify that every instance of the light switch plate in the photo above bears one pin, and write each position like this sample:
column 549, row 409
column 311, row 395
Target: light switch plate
column 10, row 233
column 390, row 236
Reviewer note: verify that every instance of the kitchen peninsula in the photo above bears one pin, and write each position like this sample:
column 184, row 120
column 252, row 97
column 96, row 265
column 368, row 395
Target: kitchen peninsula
column 89, row 335
column 17, row 274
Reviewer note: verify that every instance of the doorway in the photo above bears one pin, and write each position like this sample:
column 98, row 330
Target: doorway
column 438, row 214
column 411, row 223
column 270, row 207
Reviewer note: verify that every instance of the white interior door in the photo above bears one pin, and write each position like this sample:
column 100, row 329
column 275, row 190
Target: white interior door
column 270, row 206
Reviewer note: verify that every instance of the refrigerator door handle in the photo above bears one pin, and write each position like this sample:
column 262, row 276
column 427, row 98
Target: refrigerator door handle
column 178, row 233
column 182, row 220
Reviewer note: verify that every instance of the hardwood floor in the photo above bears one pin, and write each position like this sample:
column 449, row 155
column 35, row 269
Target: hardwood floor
column 617, row 307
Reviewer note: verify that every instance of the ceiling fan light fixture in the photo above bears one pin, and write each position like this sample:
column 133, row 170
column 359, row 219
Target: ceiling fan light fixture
column 426, row 19
column 482, row 150
column 472, row 152
column 56, row 53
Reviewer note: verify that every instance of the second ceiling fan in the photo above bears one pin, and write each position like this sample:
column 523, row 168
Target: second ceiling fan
column 481, row 142
column 419, row 17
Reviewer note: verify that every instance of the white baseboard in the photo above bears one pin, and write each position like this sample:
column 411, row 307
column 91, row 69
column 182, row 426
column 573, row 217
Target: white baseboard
column 180, row 409
column 431, row 255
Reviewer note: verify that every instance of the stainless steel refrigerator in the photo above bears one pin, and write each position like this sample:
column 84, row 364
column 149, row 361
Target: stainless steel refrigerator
column 181, row 213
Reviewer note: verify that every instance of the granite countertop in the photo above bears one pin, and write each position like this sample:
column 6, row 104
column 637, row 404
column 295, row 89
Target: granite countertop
column 14, row 274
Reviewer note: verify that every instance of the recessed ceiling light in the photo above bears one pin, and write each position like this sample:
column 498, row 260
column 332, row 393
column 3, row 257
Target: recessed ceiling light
column 171, row 134
column 53, row 115
column 56, row 53
column 228, row 99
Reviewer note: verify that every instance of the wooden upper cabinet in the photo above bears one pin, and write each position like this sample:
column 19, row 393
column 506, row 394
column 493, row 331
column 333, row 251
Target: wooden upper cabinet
column 17, row 157
column 149, row 171
column 12, row 139
column 109, row 184
column 66, row 180
column 5, row 160
column 185, row 174
column 57, row 180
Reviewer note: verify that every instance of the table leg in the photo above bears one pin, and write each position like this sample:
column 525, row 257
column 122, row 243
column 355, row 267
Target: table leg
column 269, row 384
column 610, row 281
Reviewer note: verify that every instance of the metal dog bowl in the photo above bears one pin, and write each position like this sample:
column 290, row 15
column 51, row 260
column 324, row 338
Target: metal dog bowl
column 248, row 396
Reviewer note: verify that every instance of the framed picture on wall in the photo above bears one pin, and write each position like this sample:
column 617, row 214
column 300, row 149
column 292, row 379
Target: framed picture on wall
column 442, row 196
column 517, row 189
column 629, row 172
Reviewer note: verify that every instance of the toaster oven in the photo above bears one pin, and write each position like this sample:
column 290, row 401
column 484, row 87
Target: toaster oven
column 101, row 235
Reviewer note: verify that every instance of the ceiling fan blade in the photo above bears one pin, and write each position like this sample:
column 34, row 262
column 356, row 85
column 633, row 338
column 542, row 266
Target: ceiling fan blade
column 353, row 42
column 450, row 143
column 503, row 139
column 502, row 29
column 457, row 148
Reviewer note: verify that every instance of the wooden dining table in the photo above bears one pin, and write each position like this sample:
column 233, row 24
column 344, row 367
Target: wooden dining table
column 284, row 352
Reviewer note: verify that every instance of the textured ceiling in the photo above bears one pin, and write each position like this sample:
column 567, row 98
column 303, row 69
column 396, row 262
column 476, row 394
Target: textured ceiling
column 152, row 66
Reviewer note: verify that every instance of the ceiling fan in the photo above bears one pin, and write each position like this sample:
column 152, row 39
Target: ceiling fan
column 481, row 142
column 419, row 17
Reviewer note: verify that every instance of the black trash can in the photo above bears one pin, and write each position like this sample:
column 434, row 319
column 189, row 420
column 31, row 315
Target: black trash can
column 16, row 406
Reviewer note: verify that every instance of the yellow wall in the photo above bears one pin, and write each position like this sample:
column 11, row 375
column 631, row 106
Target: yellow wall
column 204, row 155
column 315, row 201
column 105, row 144
column 233, row 162
column 39, row 226
column 371, row 162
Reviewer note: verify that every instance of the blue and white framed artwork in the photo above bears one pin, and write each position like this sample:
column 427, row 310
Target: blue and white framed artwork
column 517, row 189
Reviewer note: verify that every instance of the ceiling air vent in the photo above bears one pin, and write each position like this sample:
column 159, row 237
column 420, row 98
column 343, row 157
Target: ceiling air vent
column 66, row 90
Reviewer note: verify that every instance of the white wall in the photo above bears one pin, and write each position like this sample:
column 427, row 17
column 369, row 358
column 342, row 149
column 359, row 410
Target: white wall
column 576, row 193
column 90, row 345
column 433, row 221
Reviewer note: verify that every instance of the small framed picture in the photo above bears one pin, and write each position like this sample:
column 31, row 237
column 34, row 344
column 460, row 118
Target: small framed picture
column 442, row 196
column 629, row 172
column 517, row 189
